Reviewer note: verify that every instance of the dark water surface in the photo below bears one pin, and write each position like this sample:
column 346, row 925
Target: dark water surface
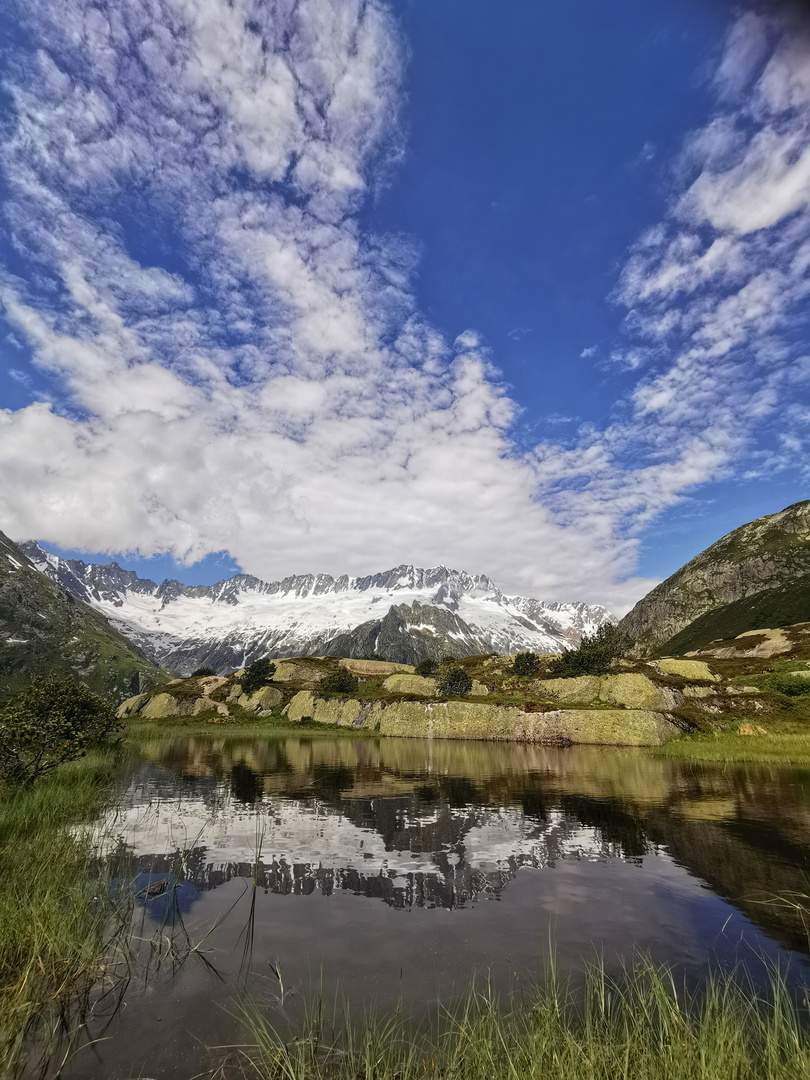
column 397, row 869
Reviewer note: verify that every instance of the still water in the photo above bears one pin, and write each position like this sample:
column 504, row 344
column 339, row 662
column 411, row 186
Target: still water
column 395, row 870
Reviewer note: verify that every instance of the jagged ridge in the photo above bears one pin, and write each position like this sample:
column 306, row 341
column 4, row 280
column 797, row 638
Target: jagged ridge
column 408, row 613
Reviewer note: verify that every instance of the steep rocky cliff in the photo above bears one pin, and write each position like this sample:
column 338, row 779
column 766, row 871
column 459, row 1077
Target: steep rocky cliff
column 765, row 563
column 44, row 629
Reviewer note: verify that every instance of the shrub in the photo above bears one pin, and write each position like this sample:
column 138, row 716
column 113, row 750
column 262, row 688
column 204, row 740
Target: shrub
column 427, row 667
column 525, row 663
column 257, row 675
column 199, row 672
column 339, row 682
column 455, row 683
column 52, row 721
column 595, row 654
column 783, row 684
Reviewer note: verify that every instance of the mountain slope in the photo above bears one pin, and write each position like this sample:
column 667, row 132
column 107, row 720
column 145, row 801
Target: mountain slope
column 753, row 572
column 408, row 613
column 43, row 628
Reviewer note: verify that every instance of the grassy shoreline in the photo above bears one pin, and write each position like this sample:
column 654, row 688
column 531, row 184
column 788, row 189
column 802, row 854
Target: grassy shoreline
column 639, row 1026
column 52, row 924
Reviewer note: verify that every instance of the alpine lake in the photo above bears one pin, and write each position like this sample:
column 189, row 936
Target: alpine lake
column 280, row 869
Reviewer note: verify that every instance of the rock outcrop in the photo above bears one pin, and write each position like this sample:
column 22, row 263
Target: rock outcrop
column 768, row 556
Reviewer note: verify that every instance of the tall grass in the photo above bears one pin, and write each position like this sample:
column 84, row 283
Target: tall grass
column 53, row 918
column 640, row 1026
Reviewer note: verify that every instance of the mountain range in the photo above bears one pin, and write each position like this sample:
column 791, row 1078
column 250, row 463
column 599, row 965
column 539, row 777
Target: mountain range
column 405, row 614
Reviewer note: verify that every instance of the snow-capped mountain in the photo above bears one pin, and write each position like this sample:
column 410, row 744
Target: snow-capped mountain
column 404, row 614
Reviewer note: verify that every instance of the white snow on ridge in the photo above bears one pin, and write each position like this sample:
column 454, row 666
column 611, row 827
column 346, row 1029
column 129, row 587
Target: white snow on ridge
column 299, row 614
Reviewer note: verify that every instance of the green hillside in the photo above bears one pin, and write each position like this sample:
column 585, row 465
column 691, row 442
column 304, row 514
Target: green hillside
column 45, row 629
column 772, row 608
column 751, row 574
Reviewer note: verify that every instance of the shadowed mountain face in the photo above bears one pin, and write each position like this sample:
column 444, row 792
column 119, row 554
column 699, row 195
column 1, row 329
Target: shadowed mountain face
column 44, row 629
column 419, row 824
column 757, row 576
column 406, row 614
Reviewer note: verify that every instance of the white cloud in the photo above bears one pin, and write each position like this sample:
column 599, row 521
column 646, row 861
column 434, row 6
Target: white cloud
column 278, row 395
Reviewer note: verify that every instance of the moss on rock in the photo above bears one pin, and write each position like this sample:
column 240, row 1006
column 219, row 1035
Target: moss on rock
column 578, row 691
column 694, row 670
column 411, row 684
column 635, row 691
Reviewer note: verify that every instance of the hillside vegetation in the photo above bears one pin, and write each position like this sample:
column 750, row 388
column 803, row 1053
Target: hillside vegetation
column 637, row 702
column 757, row 575
column 46, row 631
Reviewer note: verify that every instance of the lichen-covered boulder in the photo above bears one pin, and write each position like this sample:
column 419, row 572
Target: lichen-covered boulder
column 635, row 691
column 478, row 689
column 301, row 706
column 473, row 720
column 694, row 670
column 411, row 684
column 262, row 701
column 290, row 672
column 206, row 705
column 164, row 705
column 376, row 667
column 699, row 692
column 131, row 706
column 581, row 690
column 338, row 712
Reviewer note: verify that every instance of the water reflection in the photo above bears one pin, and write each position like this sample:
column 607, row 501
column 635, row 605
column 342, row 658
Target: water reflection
column 445, row 825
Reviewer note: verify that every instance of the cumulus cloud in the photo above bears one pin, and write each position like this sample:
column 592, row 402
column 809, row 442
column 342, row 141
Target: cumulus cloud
column 256, row 377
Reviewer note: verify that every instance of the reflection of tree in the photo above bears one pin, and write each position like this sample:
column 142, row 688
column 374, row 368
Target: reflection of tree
column 246, row 785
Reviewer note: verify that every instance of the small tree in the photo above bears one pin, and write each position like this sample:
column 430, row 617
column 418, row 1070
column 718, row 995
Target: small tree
column 52, row 721
column 525, row 664
column 340, row 682
column 257, row 675
column 455, row 683
column 427, row 667
column 200, row 672
column 595, row 654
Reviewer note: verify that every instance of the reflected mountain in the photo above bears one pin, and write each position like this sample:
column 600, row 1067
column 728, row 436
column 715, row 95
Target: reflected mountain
column 446, row 825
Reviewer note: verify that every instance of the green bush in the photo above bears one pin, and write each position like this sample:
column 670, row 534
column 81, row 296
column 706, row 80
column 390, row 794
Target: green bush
column 595, row 654
column 199, row 672
column 339, row 682
column 525, row 663
column 257, row 675
column 52, row 721
column 427, row 667
column 783, row 684
column 455, row 683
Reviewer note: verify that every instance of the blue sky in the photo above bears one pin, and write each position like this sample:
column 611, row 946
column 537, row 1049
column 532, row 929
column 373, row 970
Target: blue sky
column 330, row 287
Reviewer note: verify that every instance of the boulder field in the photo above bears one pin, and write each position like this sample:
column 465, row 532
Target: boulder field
column 640, row 703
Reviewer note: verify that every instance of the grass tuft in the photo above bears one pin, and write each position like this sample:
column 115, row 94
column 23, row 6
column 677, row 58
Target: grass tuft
column 52, row 919
column 639, row 1026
